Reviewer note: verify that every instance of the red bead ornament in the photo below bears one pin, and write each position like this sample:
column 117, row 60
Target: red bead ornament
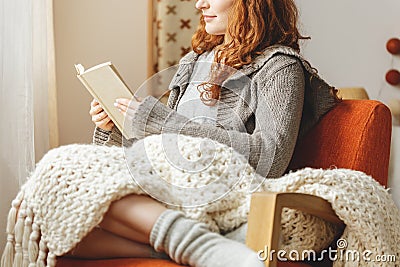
column 393, row 77
column 393, row 46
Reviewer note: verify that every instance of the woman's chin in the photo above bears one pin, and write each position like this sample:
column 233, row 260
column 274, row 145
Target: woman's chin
column 212, row 31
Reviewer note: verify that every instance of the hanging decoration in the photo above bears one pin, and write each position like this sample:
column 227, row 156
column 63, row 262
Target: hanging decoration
column 393, row 46
column 392, row 77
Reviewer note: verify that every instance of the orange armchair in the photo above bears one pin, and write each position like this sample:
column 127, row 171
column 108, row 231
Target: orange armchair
column 352, row 135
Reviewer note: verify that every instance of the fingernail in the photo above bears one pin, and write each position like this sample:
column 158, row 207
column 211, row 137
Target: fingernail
column 115, row 104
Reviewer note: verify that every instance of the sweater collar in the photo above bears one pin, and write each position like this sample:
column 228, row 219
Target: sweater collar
column 186, row 65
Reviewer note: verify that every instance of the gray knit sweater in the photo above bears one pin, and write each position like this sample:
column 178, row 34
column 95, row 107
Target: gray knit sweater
column 264, row 108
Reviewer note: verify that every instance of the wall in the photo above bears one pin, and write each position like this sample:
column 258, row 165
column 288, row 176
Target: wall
column 92, row 32
column 348, row 47
column 348, row 40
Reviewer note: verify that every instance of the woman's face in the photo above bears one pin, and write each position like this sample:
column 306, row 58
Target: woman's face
column 215, row 13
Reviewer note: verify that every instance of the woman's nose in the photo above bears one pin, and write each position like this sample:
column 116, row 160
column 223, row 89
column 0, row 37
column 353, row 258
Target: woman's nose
column 202, row 4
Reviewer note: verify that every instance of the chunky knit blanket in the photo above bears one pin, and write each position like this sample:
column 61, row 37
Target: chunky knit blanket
column 72, row 187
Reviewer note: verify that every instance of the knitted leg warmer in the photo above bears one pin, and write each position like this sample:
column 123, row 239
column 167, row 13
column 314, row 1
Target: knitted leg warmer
column 190, row 242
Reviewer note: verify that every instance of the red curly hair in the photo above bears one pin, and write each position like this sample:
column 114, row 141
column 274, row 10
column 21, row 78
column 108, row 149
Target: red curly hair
column 253, row 25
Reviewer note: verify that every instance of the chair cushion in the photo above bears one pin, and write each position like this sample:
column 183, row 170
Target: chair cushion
column 67, row 262
column 354, row 135
column 131, row 262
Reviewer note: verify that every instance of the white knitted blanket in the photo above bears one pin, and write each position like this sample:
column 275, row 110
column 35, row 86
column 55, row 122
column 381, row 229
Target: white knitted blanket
column 72, row 187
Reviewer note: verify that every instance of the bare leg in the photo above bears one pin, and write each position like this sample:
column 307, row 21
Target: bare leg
column 100, row 244
column 124, row 231
column 133, row 217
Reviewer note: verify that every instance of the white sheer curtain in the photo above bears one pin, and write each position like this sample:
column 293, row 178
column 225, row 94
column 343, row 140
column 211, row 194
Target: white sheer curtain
column 26, row 86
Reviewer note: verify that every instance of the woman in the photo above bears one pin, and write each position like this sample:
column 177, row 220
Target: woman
column 261, row 118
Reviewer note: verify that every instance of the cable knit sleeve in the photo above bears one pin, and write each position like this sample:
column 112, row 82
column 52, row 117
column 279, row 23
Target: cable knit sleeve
column 108, row 138
column 269, row 147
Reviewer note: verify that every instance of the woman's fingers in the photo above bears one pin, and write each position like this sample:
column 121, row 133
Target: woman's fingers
column 103, row 121
column 122, row 104
column 99, row 116
column 94, row 102
column 127, row 107
column 121, row 107
column 95, row 108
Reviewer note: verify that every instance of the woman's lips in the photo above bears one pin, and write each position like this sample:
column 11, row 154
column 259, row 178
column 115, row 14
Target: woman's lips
column 208, row 18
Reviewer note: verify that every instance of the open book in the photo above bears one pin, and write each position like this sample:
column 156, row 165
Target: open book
column 106, row 85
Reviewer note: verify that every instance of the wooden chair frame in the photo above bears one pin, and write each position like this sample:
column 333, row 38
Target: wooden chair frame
column 264, row 222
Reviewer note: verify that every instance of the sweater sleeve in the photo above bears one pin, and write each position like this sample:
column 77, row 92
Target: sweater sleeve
column 269, row 148
column 108, row 138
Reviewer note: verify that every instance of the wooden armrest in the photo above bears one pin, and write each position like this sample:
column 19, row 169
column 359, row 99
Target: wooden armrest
column 264, row 222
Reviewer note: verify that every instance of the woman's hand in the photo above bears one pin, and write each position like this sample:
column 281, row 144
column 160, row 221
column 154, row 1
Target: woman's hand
column 100, row 117
column 128, row 107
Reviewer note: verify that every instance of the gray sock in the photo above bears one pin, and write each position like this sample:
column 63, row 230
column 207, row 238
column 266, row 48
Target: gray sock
column 239, row 234
column 190, row 242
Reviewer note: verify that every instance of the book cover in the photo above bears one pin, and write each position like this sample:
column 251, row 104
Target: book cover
column 105, row 84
